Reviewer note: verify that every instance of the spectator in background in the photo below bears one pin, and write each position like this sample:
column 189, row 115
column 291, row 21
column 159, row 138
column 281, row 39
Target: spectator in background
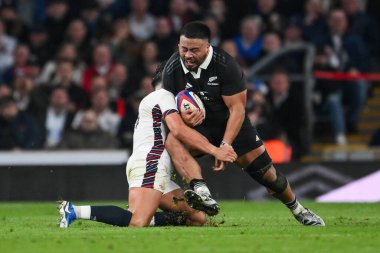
column 146, row 64
column 272, row 21
column 18, row 130
column 78, row 97
column 67, row 52
column 40, row 48
column 142, row 23
column 115, row 8
column 108, row 121
column 212, row 22
column 57, row 21
column 146, row 85
column 90, row 13
column 312, row 22
column 127, row 124
column 218, row 10
column 88, row 135
column 57, row 118
column 26, row 12
column 230, row 47
column 287, row 113
column 118, row 82
column 343, row 51
column 102, row 65
column 115, row 88
column 292, row 35
column 14, row 26
column 77, row 35
column 164, row 38
column 29, row 97
column 249, row 44
column 149, row 53
column 7, row 46
column 271, row 44
column 180, row 14
column 119, row 89
column 98, row 83
column 23, row 87
column 99, row 24
column 362, row 24
column 257, row 108
column 5, row 91
column 124, row 47
column 20, row 65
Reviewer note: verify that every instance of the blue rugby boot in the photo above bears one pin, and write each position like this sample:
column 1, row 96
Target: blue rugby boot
column 67, row 214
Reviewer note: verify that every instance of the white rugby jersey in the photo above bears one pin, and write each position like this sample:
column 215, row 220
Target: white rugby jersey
column 150, row 133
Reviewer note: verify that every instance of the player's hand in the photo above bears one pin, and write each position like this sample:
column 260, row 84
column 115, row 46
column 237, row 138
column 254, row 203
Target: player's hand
column 225, row 154
column 218, row 166
column 192, row 118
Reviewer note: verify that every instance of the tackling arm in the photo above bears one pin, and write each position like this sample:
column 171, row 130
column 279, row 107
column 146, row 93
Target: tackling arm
column 194, row 139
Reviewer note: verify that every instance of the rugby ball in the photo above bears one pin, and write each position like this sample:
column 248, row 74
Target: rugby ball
column 188, row 100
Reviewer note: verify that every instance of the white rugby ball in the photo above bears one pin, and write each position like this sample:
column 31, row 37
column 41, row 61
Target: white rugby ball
column 188, row 100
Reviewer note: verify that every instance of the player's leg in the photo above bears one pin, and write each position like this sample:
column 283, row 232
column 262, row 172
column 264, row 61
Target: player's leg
column 258, row 165
column 175, row 203
column 199, row 197
column 143, row 203
column 112, row 215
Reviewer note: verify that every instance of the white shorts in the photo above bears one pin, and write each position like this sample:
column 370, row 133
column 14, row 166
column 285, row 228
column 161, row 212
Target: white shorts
column 155, row 175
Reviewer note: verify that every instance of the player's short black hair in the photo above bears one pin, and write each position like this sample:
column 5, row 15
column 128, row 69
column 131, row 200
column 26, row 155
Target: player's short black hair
column 196, row 30
column 157, row 75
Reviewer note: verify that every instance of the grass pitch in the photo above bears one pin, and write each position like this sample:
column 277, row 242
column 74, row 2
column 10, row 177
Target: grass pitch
column 243, row 227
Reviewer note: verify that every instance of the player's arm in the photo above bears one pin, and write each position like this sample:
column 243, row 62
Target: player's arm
column 195, row 140
column 236, row 105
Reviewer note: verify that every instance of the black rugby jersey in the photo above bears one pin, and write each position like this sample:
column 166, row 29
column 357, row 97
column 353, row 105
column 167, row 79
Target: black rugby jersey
column 219, row 75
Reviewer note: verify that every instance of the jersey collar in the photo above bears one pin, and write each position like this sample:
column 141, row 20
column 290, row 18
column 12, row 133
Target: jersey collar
column 204, row 65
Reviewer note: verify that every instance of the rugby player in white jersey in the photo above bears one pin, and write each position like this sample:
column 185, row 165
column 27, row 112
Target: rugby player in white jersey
column 149, row 171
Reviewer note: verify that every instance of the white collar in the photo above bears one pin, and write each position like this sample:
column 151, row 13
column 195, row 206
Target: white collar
column 204, row 65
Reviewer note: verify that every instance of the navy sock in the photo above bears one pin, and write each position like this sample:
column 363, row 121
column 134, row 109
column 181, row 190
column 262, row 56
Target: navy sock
column 116, row 216
column 169, row 219
column 112, row 215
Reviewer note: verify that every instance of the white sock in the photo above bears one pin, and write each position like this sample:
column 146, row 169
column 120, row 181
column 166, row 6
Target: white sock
column 298, row 209
column 295, row 206
column 82, row 212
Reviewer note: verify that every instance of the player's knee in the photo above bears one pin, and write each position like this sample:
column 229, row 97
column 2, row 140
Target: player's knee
column 259, row 167
column 260, row 170
column 138, row 221
column 197, row 218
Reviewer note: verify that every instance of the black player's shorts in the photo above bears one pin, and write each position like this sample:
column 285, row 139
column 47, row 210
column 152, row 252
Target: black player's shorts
column 246, row 140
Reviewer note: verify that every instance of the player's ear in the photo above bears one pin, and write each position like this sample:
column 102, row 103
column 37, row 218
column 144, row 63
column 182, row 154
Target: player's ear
column 208, row 46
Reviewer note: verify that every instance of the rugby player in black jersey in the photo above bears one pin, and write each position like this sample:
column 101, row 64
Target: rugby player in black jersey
column 220, row 83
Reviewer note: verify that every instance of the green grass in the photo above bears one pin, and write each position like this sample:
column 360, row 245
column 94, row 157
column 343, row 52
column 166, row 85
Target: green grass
column 247, row 227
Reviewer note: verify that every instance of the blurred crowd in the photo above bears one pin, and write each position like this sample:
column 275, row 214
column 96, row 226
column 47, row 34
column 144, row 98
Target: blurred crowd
column 72, row 73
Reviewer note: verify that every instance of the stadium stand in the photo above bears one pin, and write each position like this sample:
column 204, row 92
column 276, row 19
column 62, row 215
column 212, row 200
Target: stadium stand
column 327, row 49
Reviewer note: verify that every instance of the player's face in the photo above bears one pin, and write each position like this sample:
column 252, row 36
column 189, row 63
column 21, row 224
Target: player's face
column 193, row 51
